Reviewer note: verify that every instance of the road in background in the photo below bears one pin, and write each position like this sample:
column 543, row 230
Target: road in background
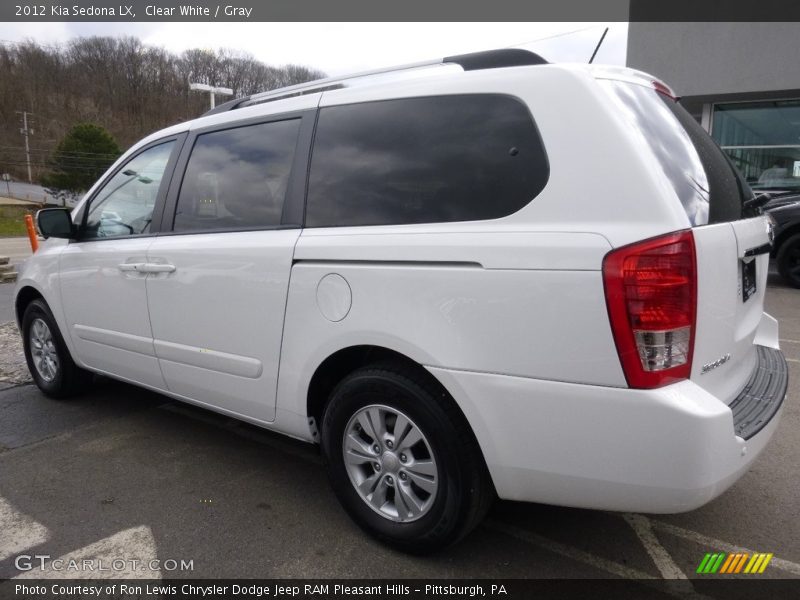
column 16, row 248
column 23, row 191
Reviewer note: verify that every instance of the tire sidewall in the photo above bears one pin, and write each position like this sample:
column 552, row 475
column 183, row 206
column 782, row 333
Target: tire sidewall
column 442, row 520
column 38, row 310
column 793, row 243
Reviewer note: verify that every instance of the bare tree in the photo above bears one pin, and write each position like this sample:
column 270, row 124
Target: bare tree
column 119, row 83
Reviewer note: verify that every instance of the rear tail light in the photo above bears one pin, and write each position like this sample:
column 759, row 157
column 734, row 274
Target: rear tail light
column 651, row 293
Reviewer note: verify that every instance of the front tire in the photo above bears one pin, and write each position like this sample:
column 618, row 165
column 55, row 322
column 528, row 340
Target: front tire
column 403, row 460
column 788, row 260
column 49, row 361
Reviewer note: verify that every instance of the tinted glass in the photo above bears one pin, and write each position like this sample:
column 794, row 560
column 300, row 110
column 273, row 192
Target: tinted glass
column 728, row 190
column 124, row 206
column 237, row 178
column 703, row 178
column 424, row 160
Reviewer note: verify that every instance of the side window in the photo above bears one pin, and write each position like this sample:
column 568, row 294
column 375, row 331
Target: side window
column 424, row 160
column 237, row 178
column 124, row 206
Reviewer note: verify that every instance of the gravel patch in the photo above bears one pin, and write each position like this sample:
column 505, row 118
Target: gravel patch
column 13, row 369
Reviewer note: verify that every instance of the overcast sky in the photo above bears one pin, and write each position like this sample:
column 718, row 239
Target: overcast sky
column 338, row 48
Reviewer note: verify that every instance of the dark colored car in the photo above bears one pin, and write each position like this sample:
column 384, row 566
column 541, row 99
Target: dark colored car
column 785, row 210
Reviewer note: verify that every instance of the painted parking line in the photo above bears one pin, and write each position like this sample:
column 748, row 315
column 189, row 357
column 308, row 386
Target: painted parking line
column 128, row 554
column 681, row 588
column 710, row 542
column 576, row 554
column 661, row 558
column 19, row 532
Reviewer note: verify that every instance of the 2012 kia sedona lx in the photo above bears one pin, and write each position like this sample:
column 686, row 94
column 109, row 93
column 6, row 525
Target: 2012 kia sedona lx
column 517, row 278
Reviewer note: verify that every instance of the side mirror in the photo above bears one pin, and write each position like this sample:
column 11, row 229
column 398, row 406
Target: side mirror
column 56, row 223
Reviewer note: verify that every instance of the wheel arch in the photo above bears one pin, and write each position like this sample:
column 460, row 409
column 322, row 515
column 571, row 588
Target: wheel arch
column 341, row 363
column 24, row 297
column 344, row 361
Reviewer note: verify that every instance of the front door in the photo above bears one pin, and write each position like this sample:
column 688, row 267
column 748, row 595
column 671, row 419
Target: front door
column 102, row 280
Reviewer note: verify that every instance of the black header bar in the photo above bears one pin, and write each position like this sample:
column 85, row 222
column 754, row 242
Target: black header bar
column 405, row 10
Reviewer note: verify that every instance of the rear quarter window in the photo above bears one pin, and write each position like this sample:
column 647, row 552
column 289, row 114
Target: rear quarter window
column 708, row 185
column 424, row 160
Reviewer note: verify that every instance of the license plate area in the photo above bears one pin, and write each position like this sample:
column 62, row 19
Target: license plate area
column 748, row 279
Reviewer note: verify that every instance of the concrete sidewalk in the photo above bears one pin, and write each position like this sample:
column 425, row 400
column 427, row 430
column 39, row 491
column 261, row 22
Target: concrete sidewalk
column 5, row 201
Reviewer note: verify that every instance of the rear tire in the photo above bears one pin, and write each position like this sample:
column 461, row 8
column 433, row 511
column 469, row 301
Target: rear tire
column 788, row 260
column 395, row 425
column 49, row 361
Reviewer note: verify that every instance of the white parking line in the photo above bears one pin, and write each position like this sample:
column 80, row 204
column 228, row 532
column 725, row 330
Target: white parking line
column 712, row 543
column 115, row 555
column 663, row 561
column 789, row 341
column 679, row 588
column 19, row 532
column 792, row 360
column 576, row 554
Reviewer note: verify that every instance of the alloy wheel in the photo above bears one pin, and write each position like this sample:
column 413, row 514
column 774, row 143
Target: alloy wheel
column 390, row 463
column 43, row 350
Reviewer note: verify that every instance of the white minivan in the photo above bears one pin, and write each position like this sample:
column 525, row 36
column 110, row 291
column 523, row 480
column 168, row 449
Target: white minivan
column 510, row 278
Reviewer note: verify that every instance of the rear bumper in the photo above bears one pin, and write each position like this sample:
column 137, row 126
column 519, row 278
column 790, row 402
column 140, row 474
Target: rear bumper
column 659, row 451
column 762, row 397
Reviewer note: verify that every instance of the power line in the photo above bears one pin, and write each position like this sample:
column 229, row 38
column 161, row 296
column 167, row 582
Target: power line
column 63, row 163
column 88, row 155
column 41, row 165
column 54, row 150
column 556, row 35
column 66, row 160
column 71, row 159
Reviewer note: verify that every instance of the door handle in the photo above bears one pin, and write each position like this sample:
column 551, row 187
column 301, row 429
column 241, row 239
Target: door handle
column 127, row 267
column 157, row 268
column 146, row 267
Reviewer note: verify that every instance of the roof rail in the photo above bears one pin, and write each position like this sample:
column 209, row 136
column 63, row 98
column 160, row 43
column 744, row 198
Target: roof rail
column 489, row 59
column 495, row 59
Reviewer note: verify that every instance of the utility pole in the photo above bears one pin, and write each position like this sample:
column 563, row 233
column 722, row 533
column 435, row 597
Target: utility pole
column 26, row 132
column 202, row 87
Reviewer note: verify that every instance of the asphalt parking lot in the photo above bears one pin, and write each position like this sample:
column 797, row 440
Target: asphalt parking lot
column 124, row 473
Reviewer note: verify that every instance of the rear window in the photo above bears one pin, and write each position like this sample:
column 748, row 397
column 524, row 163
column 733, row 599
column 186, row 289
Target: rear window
column 424, row 160
column 709, row 187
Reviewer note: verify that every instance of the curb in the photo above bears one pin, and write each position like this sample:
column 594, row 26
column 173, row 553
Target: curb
column 7, row 272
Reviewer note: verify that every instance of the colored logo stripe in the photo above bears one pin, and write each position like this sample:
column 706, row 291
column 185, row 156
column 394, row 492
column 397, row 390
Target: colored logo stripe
column 711, row 562
column 719, row 562
column 736, row 563
column 704, row 563
column 726, row 566
column 758, row 563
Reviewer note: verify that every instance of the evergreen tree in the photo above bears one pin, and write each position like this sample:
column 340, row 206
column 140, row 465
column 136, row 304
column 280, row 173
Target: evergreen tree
column 81, row 158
